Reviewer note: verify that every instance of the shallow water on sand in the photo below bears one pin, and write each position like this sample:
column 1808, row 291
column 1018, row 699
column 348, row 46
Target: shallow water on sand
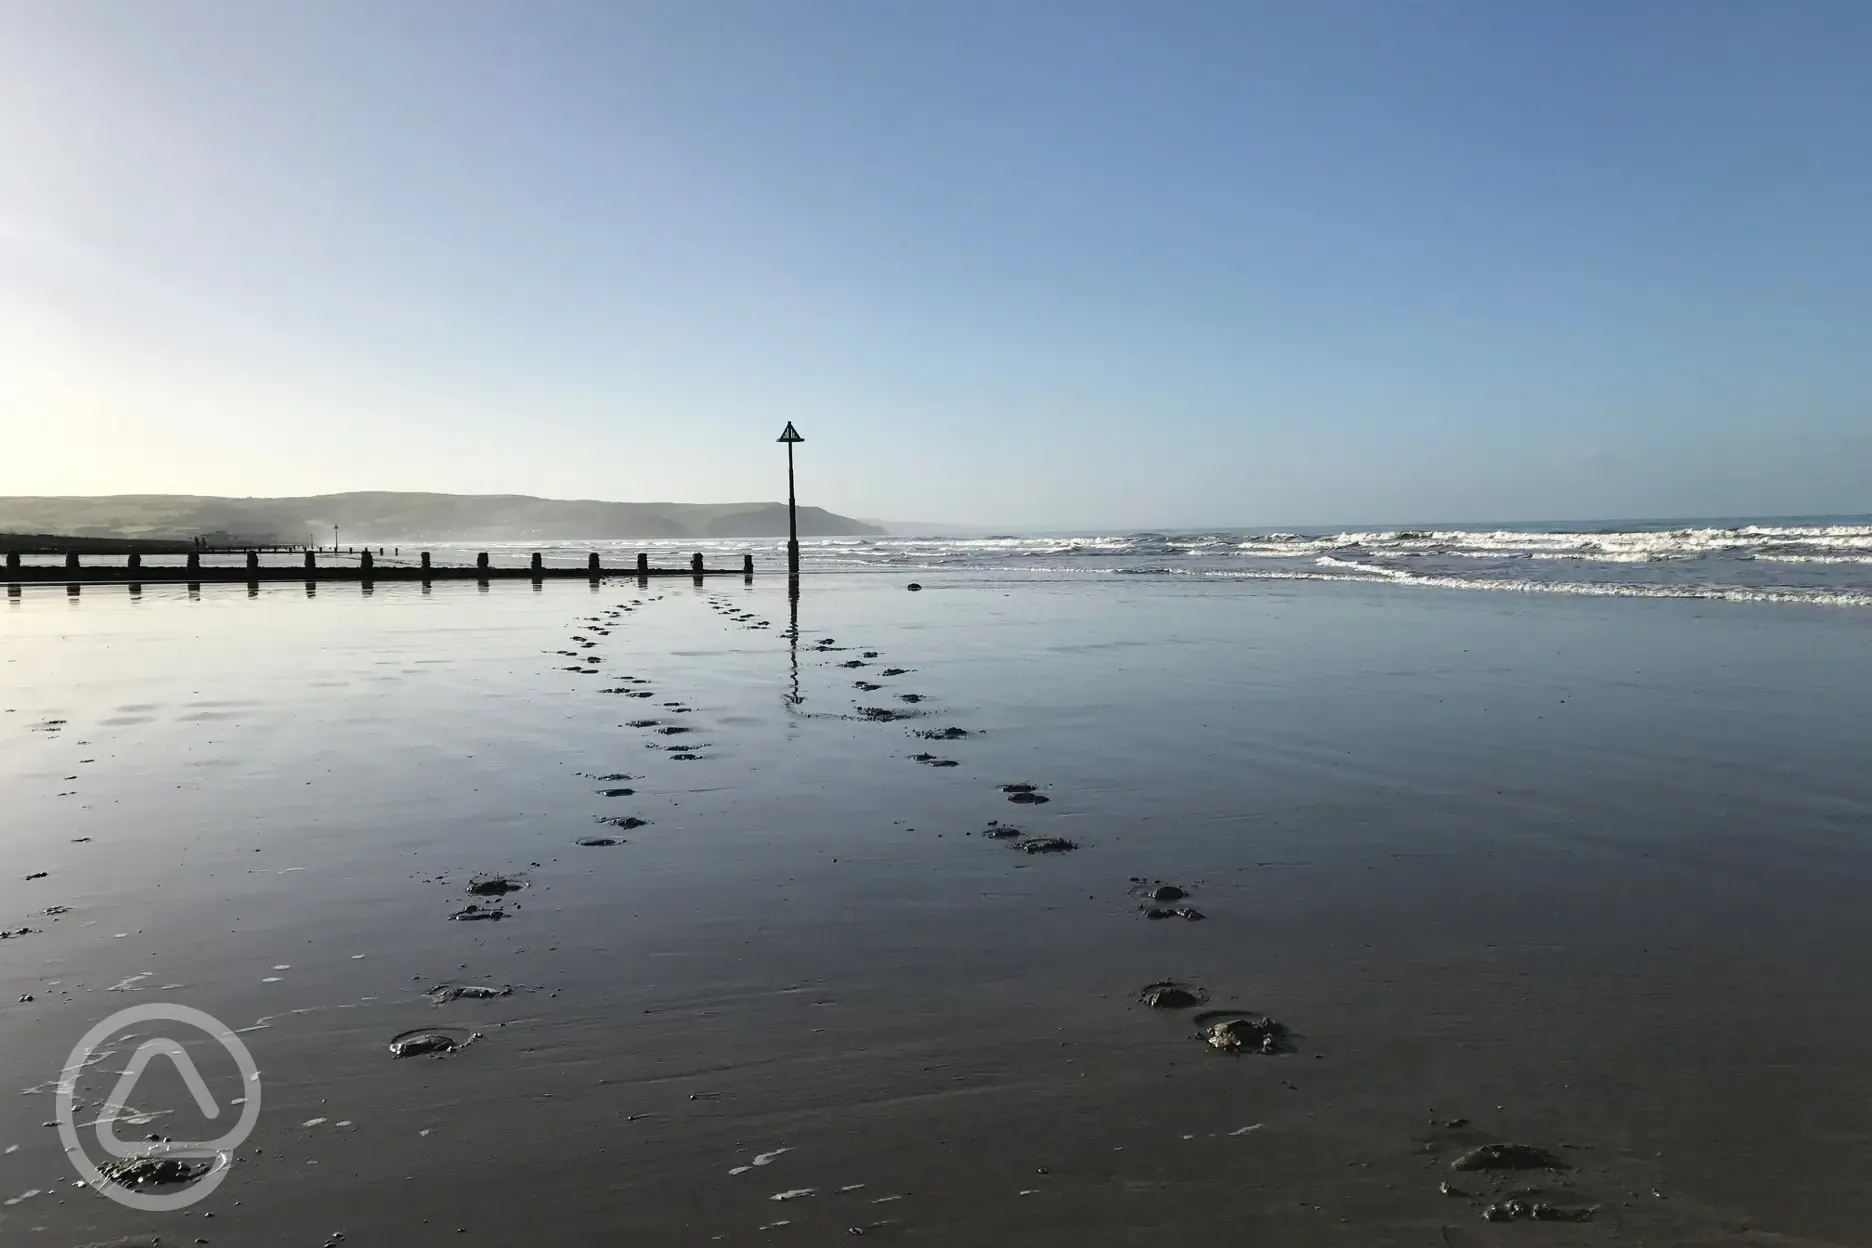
column 1586, row 872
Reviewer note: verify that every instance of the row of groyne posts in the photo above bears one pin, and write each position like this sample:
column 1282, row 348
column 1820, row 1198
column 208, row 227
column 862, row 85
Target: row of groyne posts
column 366, row 568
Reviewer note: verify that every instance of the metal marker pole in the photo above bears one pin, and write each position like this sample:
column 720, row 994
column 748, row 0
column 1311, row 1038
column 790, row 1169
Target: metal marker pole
column 792, row 516
column 790, row 435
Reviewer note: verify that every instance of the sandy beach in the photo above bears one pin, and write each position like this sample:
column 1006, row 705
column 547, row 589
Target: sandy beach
column 1586, row 874
column 959, row 625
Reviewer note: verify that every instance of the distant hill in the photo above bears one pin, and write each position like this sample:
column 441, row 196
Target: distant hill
column 377, row 516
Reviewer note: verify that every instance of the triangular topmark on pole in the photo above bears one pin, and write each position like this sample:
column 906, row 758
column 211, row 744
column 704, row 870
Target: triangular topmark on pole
column 791, row 434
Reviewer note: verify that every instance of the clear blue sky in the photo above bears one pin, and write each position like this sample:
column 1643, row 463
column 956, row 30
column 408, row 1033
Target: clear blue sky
column 1027, row 262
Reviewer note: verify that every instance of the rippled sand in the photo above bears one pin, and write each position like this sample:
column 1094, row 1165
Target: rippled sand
column 1586, row 874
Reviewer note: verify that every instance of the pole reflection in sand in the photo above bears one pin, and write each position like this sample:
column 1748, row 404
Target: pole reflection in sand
column 793, row 699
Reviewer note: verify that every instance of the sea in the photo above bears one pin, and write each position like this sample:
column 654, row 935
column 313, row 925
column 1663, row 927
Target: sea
column 1810, row 560
column 1821, row 561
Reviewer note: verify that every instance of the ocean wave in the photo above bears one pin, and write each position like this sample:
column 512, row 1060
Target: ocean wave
column 1604, row 546
column 1369, row 569
column 1823, row 559
column 1821, row 563
column 1589, row 589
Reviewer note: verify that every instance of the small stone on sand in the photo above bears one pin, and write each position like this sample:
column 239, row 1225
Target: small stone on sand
column 1508, row 1157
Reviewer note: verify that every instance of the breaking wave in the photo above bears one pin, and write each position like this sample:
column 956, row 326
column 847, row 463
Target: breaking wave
column 1359, row 573
column 1806, row 562
column 1816, row 562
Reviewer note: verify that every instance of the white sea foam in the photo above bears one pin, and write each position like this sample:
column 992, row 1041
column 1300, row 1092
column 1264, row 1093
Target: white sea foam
column 1815, row 597
column 1763, row 562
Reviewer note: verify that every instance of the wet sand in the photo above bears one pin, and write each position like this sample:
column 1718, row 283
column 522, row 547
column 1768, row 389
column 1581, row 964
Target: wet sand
column 1586, row 874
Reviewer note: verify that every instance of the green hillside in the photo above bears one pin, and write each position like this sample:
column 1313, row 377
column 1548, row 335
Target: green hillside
column 390, row 516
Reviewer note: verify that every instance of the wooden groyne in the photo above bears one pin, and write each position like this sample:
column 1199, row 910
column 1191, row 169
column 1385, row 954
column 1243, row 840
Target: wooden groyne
column 62, row 544
column 316, row 566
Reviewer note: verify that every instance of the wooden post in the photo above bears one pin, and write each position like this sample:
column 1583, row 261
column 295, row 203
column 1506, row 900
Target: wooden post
column 12, row 559
column 695, row 564
column 643, row 564
column 311, row 559
column 194, row 558
column 425, row 558
column 71, row 560
column 591, row 562
column 481, row 561
column 537, row 562
column 747, row 566
column 253, row 560
column 134, row 562
column 365, row 561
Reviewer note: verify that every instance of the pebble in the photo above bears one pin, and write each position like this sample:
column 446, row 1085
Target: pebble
column 1508, row 1157
column 474, row 913
column 1173, row 912
column 1172, row 995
